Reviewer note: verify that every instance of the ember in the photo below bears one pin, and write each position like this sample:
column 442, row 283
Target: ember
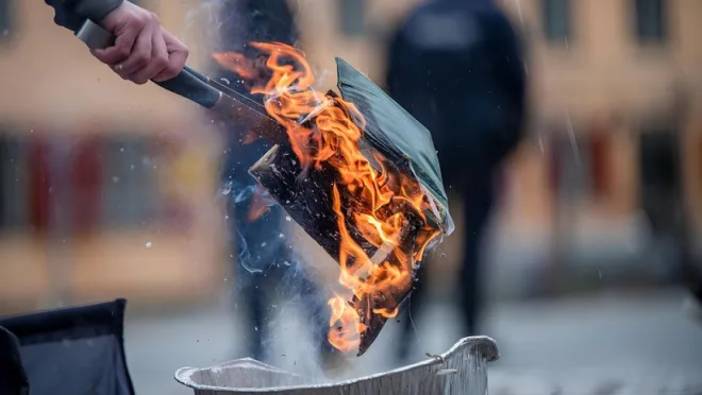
column 368, row 212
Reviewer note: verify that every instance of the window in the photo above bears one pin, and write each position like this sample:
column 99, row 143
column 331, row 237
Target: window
column 352, row 17
column 6, row 16
column 556, row 17
column 650, row 21
column 660, row 182
column 129, row 193
column 13, row 186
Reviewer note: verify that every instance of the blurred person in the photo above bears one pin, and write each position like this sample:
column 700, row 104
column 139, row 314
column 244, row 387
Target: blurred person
column 143, row 49
column 456, row 65
column 265, row 267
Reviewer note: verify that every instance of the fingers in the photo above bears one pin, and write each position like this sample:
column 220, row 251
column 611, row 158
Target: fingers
column 177, row 55
column 120, row 51
column 157, row 63
column 143, row 50
column 140, row 56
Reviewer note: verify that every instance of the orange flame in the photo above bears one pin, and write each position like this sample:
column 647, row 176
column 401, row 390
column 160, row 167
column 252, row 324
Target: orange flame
column 236, row 62
column 345, row 325
column 383, row 204
column 258, row 206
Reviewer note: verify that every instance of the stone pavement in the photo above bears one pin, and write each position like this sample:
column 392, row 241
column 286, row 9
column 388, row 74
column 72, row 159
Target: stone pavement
column 606, row 343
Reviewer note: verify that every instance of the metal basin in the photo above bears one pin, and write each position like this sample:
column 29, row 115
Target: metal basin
column 462, row 370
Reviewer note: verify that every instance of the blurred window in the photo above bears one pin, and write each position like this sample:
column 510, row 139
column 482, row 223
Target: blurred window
column 650, row 21
column 599, row 141
column 556, row 17
column 660, row 178
column 13, row 187
column 6, row 19
column 569, row 163
column 129, row 193
column 352, row 15
column 109, row 182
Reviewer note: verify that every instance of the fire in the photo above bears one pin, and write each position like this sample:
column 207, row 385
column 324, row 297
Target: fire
column 258, row 207
column 237, row 63
column 370, row 195
column 345, row 325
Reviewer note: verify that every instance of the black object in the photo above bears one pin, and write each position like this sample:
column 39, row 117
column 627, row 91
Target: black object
column 192, row 85
column 75, row 351
column 13, row 379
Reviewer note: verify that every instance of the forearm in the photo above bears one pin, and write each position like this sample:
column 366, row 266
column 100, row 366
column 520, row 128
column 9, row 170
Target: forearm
column 71, row 13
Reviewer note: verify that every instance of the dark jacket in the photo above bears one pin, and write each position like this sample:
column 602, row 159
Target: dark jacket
column 456, row 65
column 243, row 21
column 72, row 13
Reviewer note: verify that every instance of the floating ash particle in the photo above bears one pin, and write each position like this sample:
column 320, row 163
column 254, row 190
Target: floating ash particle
column 148, row 244
column 226, row 188
column 244, row 194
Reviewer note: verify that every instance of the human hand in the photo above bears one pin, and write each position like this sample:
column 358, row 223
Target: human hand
column 143, row 49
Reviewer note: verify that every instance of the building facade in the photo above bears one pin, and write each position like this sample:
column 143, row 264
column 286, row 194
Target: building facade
column 610, row 168
column 107, row 189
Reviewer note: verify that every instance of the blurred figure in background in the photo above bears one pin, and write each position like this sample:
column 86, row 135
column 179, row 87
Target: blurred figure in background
column 456, row 65
column 263, row 259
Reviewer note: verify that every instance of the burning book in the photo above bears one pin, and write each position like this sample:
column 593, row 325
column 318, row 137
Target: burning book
column 359, row 174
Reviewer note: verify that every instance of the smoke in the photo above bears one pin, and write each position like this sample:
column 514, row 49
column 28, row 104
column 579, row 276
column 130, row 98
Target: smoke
column 272, row 277
column 297, row 340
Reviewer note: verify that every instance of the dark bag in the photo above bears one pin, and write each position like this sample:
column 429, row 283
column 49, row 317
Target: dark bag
column 13, row 379
column 75, row 351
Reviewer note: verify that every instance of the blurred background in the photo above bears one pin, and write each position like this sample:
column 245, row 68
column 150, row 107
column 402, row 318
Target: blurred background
column 588, row 255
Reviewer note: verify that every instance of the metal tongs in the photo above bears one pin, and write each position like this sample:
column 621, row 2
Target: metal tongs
column 201, row 89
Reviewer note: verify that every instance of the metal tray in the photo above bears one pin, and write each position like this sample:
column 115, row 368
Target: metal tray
column 462, row 370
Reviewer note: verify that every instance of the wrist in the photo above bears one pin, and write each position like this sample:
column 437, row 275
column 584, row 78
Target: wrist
column 98, row 10
column 114, row 14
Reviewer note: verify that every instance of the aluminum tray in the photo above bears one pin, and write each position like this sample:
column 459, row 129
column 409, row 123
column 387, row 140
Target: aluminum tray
column 462, row 370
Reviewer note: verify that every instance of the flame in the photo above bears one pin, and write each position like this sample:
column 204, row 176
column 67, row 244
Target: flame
column 345, row 325
column 238, row 63
column 383, row 205
column 258, row 206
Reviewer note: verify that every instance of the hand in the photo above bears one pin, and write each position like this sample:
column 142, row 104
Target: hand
column 143, row 49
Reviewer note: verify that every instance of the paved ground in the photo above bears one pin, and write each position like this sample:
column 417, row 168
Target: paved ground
column 605, row 343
